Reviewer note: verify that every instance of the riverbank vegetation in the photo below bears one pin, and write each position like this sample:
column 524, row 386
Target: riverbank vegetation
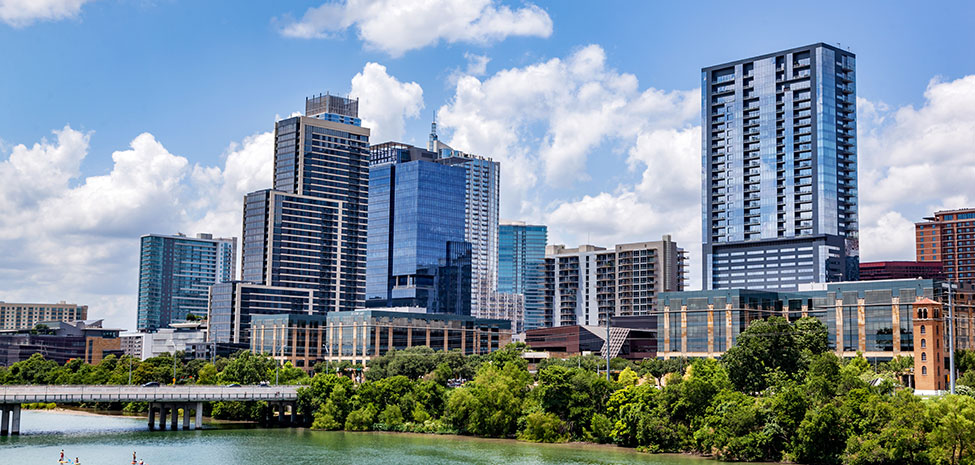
column 778, row 395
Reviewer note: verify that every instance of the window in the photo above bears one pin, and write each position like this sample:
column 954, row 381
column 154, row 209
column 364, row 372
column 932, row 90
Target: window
column 924, row 356
column 922, row 329
column 924, row 371
column 924, row 344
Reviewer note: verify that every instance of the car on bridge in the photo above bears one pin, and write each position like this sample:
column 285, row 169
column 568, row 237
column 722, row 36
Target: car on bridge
column 151, row 384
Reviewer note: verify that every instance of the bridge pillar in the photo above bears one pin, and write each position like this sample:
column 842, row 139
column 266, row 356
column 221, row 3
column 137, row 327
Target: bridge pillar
column 186, row 416
column 15, row 421
column 162, row 417
column 5, row 421
column 199, row 416
column 152, row 416
column 281, row 414
column 174, row 421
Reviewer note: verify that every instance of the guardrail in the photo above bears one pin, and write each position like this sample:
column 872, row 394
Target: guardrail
column 92, row 393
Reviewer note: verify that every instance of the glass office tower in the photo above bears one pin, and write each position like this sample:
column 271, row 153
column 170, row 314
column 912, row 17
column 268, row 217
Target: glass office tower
column 521, row 263
column 309, row 231
column 417, row 255
column 175, row 274
column 779, row 167
column 483, row 194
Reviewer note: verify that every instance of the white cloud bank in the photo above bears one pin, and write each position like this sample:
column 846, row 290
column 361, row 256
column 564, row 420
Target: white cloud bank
column 914, row 161
column 21, row 13
column 385, row 102
column 396, row 27
column 75, row 238
column 547, row 123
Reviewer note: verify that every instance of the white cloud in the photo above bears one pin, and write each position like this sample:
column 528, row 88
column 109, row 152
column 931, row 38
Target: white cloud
column 476, row 64
column 20, row 13
column 385, row 102
column 396, row 27
column 75, row 238
column 555, row 120
column 914, row 161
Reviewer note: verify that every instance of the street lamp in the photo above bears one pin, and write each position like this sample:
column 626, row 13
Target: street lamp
column 607, row 345
column 174, row 361
column 951, row 337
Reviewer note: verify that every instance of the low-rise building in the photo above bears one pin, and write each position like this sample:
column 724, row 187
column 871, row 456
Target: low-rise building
column 26, row 315
column 60, row 341
column 872, row 318
column 358, row 336
column 632, row 338
column 874, row 271
column 178, row 337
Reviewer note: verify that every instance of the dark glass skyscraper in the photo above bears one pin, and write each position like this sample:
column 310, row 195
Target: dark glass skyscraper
column 417, row 256
column 521, row 263
column 309, row 231
column 780, row 170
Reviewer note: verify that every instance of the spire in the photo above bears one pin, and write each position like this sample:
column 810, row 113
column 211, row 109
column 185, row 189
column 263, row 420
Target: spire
column 432, row 144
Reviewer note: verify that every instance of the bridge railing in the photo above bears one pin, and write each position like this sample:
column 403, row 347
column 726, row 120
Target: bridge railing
column 193, row 393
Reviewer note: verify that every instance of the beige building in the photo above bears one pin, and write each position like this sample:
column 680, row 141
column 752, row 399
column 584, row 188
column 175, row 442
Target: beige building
column 26, row 316
column 584, row 284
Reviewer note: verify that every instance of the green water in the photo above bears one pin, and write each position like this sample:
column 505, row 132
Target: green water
column 104, row 440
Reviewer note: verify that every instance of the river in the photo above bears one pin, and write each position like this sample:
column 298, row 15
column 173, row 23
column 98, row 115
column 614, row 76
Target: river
column 105, row 440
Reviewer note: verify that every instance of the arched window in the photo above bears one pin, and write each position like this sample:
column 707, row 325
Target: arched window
column 924, row 371
column 924, row 344
column 924, row 356
column 922, row 329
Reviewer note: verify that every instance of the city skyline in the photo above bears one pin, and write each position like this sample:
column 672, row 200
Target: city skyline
column 619, row 164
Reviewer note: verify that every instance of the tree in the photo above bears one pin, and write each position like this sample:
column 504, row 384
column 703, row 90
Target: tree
column 491, row 404
column 897, row 434
column 953, row 437
column 821, row 437
column 573, row 395
column 811, row 335
column 248, row 368
column 628, row 377
column 764, row 347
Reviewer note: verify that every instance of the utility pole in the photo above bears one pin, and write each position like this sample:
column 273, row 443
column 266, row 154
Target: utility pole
column 130, row 369
column 607, row 345
column 951, row 339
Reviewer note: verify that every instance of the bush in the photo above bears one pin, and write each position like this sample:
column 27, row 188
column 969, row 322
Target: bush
column 543, row 427
column 392, row 416
column 361, row 419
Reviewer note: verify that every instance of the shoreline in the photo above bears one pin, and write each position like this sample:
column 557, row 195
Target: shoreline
column 575, row 445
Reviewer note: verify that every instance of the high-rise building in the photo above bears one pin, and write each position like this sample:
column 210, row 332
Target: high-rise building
column 309, row 231
column 481, row 226
column 521, row 266
column 948, row 237
column 780, row 170
column 417, row 255
column 175, row 275
column 26, row 315
column 585, row 284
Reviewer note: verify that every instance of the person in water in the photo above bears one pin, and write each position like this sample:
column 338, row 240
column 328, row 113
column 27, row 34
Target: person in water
column 76, row 461
column 62, row 456
column 133, row 457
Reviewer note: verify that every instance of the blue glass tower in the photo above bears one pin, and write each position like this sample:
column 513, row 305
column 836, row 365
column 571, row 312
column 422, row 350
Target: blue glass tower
column 779, row 167
column 175, row 274
column 417, row 255
column 521, row 262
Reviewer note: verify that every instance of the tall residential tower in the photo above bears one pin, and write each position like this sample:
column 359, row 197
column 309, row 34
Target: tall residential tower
column 780, row 170
column 309, row 230
column 175, row 275
column 521, row 267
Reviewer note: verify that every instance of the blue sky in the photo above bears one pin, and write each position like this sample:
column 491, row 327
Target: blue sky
column 592, row 107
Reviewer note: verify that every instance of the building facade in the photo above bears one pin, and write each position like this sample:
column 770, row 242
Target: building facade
column 482, row 201
column 948, row 237
column 417, row 255
column 175, row 274
column 27, row 315
column 233, row 304
column 779, row 177
column 584, row 285
column 60, row 342
column 309, row 231
column 872, row 318
column 872, row 271
column 359, row 336
column 521, row 268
